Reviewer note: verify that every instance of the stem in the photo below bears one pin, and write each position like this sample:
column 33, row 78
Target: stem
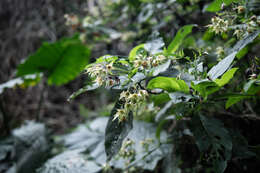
column 122, row 70
column 38, row 112
column 144, row 156
column 5, row 116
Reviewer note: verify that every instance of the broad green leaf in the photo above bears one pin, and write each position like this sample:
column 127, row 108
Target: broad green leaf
column 217, row 70
column 178, row 97
column 235, row 98
column 134, row 52
column 254, row 89
column 116, row 131
column 244, row 42
column 178, row 39
column 221, row 67
column 231, row 101
column 27, row 80
column 226, row 77
column 242, row 52
column 160, row 99
column 240, row 147
column 62, row 61
column 205, row 88
column 82, row 90
column 248, row 85
column 106, row 58
column 212, row 137
column 251, row 87
column 168, row 84
column 216, row 5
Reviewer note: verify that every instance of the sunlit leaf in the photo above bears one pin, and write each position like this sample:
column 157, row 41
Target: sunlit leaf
column 221, row 67
column 134, row 52
column 232, row 100
column 61, row 61
column 226, row 77
column 216, row 5
column 177, row 41
column 205, row 88
column 168, row 84
column 217, row 70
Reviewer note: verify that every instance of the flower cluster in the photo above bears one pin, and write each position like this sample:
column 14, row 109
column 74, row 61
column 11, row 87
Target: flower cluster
column 219, row 25
column 146, row 62
column 131, row 101
column 127, row 150
column 72, row 20
column 102, row 73
column 220, row 52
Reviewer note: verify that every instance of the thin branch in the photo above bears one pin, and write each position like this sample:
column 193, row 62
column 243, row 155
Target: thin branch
column 43, row 91
column 5, row 116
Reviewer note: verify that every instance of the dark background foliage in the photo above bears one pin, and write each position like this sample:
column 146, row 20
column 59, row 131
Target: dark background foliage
column 24, row 25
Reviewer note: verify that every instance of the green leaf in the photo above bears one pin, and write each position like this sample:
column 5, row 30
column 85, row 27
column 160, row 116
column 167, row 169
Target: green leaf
column 160, row 99
column 106, row 58
column 116, row 131
column 134, row 52
column 226, row 77
column 242, row 52
column 221, row 67
column 178, row 39
column 217, row 70
column 216, row 5
column 168, row 84
column 205, row 88
column 62, row 61
column 211, row 137
column 240, row 149
column 251, row 87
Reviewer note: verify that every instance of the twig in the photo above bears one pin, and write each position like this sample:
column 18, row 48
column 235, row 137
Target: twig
column 38, row 112
column 144, row 156
column 5, row 116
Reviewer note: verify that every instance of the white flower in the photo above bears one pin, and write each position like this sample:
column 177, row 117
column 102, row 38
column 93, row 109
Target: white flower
column 120, row 114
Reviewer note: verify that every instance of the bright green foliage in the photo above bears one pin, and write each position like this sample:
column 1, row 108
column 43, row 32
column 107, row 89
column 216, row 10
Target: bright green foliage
column 61, row 61
column 168, row 84
column 226, row 77
column 205, row 88
column 250, row 90
column 217, row 4
column 178, row 39
column 134, row 52
column 221, row 67
column 189, row 80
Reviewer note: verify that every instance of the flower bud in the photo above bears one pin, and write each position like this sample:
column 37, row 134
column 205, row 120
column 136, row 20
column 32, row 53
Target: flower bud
column 240, row 9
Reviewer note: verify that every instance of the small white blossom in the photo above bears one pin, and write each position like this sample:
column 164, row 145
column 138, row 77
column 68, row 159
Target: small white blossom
column 218, row 25
column 71, row 20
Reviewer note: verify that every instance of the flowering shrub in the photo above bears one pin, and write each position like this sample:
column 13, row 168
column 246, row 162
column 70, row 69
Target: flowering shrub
column 192, row 87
